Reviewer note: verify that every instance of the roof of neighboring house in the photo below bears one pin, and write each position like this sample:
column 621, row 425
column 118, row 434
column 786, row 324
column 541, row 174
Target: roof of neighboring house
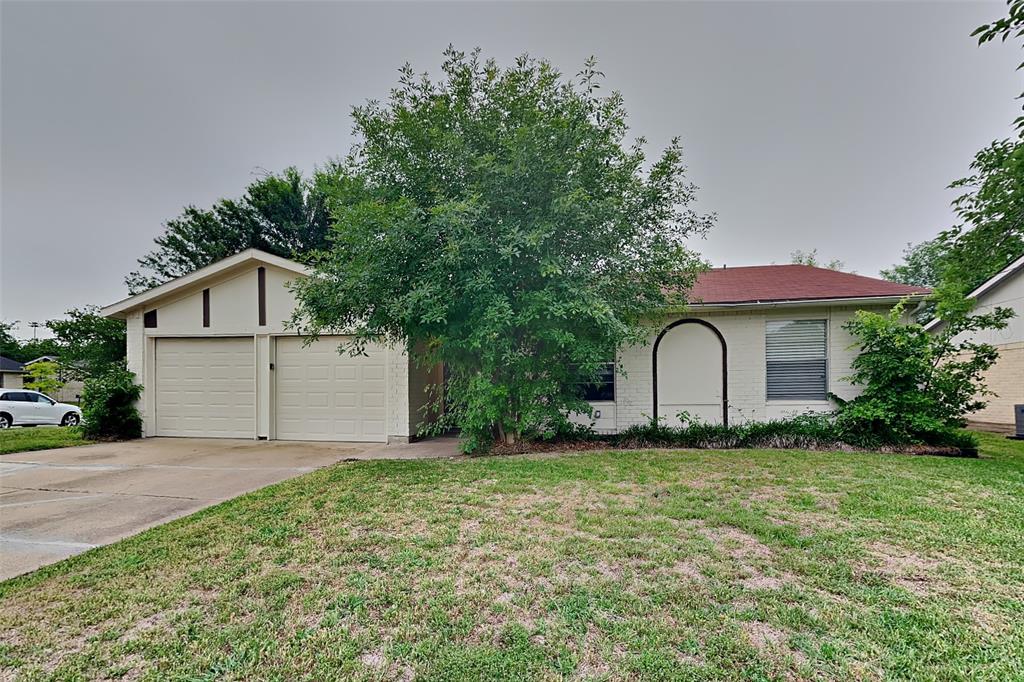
column 42, row 358
column 784, row 283
column 1003, row 275
column 8, row 365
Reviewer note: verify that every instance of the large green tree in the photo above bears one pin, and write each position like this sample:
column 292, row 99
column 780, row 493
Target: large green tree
column 499, row 221
column 284, row 214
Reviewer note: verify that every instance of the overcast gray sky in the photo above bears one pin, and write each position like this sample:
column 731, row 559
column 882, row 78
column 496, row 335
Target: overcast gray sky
column 825, row 125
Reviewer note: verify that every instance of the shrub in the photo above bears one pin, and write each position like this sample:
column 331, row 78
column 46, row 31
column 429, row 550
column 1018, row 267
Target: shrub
column 917, row 385
column 108, row 406
column 808, row 431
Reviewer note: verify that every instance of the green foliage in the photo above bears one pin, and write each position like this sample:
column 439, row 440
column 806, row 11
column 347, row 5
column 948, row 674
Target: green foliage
column 497, row 221
column 108, row 406
column 799, row 257
column 23, row 351
column 991, row 235
column 921, row 264
column 89, row 344
column 917, row 386
column 989, row 238
column 827, row 431
column 43, row 376
column 284, row 214
column 1010, row 26
column 9, row 346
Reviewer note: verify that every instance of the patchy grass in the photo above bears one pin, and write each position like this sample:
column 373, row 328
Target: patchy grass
column 40, row 438
column 744, row 564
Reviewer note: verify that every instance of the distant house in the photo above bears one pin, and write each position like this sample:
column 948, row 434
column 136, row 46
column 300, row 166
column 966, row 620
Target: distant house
column 11, row 372
column 71, row 391
column 1006, row 377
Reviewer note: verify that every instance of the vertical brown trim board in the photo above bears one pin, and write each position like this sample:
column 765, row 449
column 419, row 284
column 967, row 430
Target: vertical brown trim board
column 206, row 307
column 261, row 279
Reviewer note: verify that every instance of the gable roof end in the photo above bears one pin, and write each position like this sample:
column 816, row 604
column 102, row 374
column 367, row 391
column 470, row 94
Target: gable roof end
column 120, row 309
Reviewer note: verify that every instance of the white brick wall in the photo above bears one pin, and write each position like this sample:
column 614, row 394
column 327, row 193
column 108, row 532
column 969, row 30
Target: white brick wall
column 744, row 333
column 398, row 393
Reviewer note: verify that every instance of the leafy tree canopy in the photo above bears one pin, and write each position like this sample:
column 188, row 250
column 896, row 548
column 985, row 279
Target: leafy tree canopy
column 87, row 343
column 43, row 376
column 990, row 236
column 1003, row 28
column 23, row 351
column 284, row 214
column 499, row 221
column 799, row 257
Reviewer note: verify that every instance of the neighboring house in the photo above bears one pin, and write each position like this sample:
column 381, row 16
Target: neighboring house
column 1006, row 377
column 11, row 373
column 71, row 391
column 215, row 359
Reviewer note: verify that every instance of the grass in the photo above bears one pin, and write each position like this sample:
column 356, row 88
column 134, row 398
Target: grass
column 689, row 565
column 26, row 440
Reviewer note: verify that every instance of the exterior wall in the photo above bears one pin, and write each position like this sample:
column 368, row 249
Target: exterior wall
column 11, row 380
column 1006, row 380
column 234, row 311
column 744, row 333
column 1006, row 377
column 70, row 392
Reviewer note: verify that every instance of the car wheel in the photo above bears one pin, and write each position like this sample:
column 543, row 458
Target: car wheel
column 71, row 419
column 5, row 421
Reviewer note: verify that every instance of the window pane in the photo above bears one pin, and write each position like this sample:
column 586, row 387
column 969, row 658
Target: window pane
column 797, row 360
column 604, row 388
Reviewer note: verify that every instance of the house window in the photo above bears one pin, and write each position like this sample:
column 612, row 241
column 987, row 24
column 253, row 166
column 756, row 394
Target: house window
column 797, row 357
column 149, row 319
column 604, row 387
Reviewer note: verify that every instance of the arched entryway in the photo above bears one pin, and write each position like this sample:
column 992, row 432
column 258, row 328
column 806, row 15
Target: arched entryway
column 691, row 372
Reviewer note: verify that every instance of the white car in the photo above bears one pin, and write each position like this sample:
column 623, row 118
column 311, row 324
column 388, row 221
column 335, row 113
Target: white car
column 31, row 408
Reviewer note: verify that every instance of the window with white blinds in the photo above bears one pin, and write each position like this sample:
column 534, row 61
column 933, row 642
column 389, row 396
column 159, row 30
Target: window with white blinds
column 797, row 357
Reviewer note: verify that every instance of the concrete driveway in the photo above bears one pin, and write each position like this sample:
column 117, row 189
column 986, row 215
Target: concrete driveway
column 56, row 503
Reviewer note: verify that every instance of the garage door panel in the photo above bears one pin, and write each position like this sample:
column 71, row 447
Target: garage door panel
column 204, row 387
column 322, row 394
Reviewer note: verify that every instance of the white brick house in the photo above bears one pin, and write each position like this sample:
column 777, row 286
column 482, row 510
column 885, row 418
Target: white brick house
column 215, row 358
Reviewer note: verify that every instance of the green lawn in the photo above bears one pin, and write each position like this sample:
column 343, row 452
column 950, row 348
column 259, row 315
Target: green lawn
column 39, row 438
column 732, row 565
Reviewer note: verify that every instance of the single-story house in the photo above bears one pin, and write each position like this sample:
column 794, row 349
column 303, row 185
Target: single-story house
column 215, row 358
column 71, row 390
column 11, row 373
column 1006, row 377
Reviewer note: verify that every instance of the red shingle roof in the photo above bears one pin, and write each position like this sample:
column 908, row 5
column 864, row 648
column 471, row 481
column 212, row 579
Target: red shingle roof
column 768, row 283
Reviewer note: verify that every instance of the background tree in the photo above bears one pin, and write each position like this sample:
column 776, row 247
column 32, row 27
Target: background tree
column 1012, row 25
column 921, row 264
column 44, row 376
column 799, row 257
column 87, row 343
column 9, row 345
column 284, row 214
column 23, row 351
column 498, row 221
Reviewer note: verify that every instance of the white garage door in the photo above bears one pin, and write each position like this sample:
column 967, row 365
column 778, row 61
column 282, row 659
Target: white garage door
column 322, row 394
column 205, row 388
